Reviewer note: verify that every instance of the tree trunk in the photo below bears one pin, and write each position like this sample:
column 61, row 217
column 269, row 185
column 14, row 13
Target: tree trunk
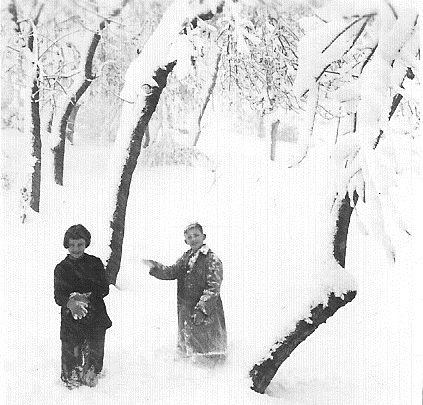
column 118, row 222
column 70, row 130
column 273, row 139
column 59, row 149
column 33, row 127
column 209, row 94
column 263, row 371
column 342, row 225
column 143, row 99
column 35, row 194
column 146, row 139
column 36, row 147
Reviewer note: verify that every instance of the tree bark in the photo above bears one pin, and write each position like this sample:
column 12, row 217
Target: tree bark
column 146, row 140
column 118, row 222
column 59, row 149
column 342, row 225
column 34, row 202
column 70, row 129
column 209, row 94
column 273, row 136
column 34, row 126
column 35, row 194
column 147, row 102
column 263, row 372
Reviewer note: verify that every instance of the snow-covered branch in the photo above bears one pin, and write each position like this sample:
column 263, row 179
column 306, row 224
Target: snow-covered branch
column 67, row 102
column 144, row 81
column 389, row 31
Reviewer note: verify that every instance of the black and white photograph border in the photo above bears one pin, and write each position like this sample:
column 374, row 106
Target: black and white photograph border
column 211, row 201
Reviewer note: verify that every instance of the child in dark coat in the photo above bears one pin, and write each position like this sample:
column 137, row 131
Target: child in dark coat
column 201, row 320
column 79, row 288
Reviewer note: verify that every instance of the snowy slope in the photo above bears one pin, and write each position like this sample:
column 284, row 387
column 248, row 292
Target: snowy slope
column 263, row 221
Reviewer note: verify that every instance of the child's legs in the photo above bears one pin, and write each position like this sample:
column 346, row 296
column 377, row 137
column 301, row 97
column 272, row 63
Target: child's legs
column 184, row 328
column 71, row 357
column 94, row 352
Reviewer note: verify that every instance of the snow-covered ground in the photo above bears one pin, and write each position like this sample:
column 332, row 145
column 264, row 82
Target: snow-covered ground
column 264, row 221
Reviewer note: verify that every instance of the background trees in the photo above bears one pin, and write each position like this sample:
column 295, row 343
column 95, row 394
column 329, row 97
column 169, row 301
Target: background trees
column 62, row 39
column 67, row 101
column 145, row 80
column 372, row 58
column 26, row 29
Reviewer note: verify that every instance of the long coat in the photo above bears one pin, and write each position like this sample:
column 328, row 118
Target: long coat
column 199, row 278
column 83, row 275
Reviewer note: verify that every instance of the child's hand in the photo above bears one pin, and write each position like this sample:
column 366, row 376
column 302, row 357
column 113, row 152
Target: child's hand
column 199, row 318
column 150, row 263
column 78, row 304
column 84, row 297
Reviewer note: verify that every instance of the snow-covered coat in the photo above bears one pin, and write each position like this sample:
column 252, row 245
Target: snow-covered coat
column 199, row 278
column 83, row 275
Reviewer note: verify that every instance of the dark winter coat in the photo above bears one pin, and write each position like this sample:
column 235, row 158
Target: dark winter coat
column 199, row 278
column 83, row 275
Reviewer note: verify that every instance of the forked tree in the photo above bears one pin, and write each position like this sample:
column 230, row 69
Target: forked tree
column 68, row 100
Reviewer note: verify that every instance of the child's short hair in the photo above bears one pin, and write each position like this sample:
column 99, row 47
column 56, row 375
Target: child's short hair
column 194, row 225
column 77, row 232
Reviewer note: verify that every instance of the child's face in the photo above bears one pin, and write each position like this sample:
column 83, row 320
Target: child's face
column 194, row 238
column 76, row 248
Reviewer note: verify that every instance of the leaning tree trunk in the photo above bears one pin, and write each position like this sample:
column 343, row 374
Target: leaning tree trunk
column 60, row 122
column 70, row 130
column 263, row 371
column 369, row 133
column 142, row 97
column 117, row 224
column 208, row 97
column 68, row 104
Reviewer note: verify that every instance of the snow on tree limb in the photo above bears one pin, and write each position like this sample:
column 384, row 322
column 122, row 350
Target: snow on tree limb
column 330, row 10
column 209, row 94
column 68, row 100
column 393, row 42
column 334, row 287
column 139, row 78
column 264, row 370
column 319, row 48
column 66, row 97
column 167, row 32
column 144, row 81
column 31, row 189
column 358, row 166
column 305, row 136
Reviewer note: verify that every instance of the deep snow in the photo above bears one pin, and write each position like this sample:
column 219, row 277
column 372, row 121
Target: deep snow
column 264, row 221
